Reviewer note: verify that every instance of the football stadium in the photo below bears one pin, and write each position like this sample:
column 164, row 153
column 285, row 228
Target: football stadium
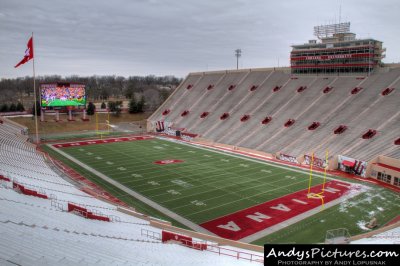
column 230, row 161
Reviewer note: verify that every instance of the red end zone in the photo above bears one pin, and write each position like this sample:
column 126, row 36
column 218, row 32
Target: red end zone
column 99, row 141
column 246, row 222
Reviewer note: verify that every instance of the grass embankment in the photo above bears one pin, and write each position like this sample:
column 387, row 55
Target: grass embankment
column 64, row 126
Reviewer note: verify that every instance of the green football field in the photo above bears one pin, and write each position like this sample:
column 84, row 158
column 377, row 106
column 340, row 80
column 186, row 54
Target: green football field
column 209, row 184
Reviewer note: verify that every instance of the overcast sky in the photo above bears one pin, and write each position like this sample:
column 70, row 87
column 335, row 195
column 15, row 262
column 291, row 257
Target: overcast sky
column 172, row 37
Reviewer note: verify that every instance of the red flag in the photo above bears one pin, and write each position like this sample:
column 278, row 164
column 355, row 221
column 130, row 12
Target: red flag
column 28, row 53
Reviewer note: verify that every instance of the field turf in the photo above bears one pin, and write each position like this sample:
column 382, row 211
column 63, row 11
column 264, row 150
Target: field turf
column 206, row 184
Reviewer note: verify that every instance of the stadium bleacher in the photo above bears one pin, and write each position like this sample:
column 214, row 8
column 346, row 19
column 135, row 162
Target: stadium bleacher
column 305, row 99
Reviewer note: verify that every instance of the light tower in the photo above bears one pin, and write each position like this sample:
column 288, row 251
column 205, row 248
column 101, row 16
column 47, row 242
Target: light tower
column 238, row 53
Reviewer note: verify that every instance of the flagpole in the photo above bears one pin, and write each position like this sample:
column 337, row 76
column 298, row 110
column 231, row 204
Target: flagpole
column 35, row 97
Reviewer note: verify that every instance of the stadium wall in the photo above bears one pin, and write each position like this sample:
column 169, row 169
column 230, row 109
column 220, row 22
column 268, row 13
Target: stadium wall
column 375, row 232
column 383, row 164
column 216, row 239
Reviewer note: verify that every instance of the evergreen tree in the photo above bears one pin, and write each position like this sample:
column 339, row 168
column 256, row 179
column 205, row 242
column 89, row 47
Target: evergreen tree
column 20, row 107
column 111, row 106
column 118, row 107
column 37, row 108
column 13, row 107
column 115, row 107
column 91, row 109
column 4, row 108
column 140, row 104
column 133, row 106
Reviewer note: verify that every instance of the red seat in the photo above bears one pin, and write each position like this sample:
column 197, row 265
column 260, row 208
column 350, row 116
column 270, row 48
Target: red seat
column 224, row 116
column 253, row 88
column 276, row 88
column 266, row 120
column 314, row 125
column 245, row 118
column 340, row 129
column 301, row 89
column 387, row 91
column 369, row 134
column 356, row 90
column 327, row 89
column 290, row 122
column 204, row 114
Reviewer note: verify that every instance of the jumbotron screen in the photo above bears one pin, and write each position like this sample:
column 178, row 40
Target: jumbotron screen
column 62, row 94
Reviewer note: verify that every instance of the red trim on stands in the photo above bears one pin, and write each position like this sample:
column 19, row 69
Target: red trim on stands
column 86, row 213
column 27, row 191
column 192, row 135
column 2, row 177
column 331, row 49
column 330, row 65
column 330, row 57
column 99, row 141
column 185, row 240
column 397, row 169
